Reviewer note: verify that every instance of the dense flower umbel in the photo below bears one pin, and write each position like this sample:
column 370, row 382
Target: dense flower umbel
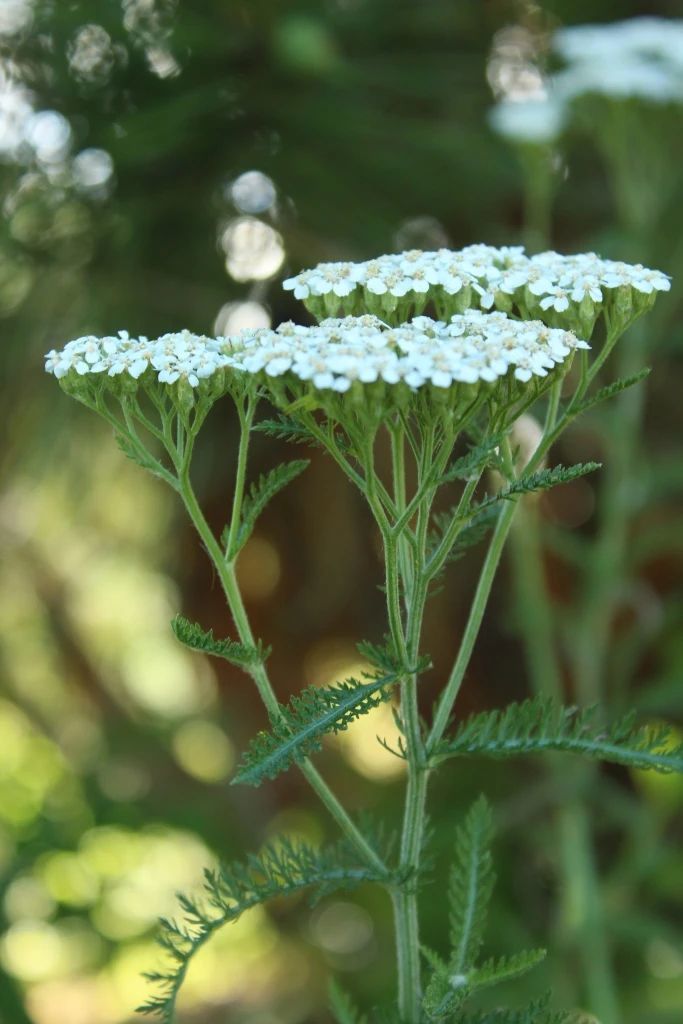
column 472, row 347
column 172, row 357
column 578, row 287
column 638, row 58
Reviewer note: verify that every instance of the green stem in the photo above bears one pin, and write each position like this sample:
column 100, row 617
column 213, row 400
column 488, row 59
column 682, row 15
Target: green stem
column 483, row 591
column 406, row 640
column 227, row 575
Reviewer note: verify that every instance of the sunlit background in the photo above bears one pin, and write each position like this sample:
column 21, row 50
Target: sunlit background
column 166, row 165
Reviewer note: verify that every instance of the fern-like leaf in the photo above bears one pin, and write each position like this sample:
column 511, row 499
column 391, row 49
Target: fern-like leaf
column 479, row 517
column 309, row 716
column 504, row 968
column 537, row 1012
column 470, row 886
column 260, row 493
column 286, row 429
column 610, row 390
column 198, row 639
column 473, row 462
column 280, row 870
column 538, row 725
column 343, row 1010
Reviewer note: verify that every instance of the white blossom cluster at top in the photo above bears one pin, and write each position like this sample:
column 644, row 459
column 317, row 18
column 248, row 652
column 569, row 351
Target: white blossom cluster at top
column 473, row 347
column 555, row 280
column 173, row 356
column 640, row 58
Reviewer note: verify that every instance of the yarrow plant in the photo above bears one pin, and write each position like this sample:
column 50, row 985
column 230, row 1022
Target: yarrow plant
column 436, row 355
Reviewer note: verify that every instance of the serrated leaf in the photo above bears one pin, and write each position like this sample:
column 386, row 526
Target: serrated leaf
column 309, row 716
column 193, row 636
column 260, row 494
column 143, row 459
column 343, row 1010
column 497, row 970
column 538, row 725
column 610, row 390
column 470, row 886
column 474, row 462
column 286, row 429
column 282, row 869
column 537, row 1012
column 479, row 517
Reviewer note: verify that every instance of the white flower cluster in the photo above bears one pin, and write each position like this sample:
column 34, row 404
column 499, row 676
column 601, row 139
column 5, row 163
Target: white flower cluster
column 554, row 280
column 640, row 58
column 399, row 274
column 173, row 357
column 473, row 347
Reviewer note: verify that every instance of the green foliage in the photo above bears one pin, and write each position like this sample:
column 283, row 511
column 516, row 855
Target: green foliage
column 241, row 655
column 260, row 493
column 343, row 1010
column 474, row 462
column 454, row 980
column 473, row 533
column 383, row 656
column 538, row 725
column 537, row 1012
column 478, row 519
column 470, row 885
column 280, row 870
column 541, row 480
column 309, row 716
column 286, row 429
column 610, row 390
column 138, row 454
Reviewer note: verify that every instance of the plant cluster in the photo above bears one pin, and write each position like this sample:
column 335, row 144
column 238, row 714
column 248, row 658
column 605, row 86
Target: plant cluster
column 443, row 392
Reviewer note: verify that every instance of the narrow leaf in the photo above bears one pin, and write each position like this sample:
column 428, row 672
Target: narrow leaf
column 610, row 390
column 193, row 636
column 260, row 493
column 343, row 1010
column 537, row 725
column 495, row 971
column 473, row 462
column 471, row 884
column 309, row 716
column 286, row 429
column 280, row 870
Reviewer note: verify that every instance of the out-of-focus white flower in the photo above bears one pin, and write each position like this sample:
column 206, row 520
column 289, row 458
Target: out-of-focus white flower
column 537, row 121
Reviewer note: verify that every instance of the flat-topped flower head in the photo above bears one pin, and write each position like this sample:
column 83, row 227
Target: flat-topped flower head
column 381, row 366
column 639, row 58
column 186, row 363
column 564, row 291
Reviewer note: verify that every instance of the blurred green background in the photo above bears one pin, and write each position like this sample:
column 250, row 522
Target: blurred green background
column 126, row 129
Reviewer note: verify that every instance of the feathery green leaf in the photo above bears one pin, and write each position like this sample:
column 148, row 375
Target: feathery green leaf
column 260, row 493
column 537, row 725
column 286, row 429
column 494, row 971
column 281, row 869
column 309, row 716
column 610, row 390
column 470, row 886
column 473, row 462
column 343, row 1010
column 537, row 1012
column 242, row 655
